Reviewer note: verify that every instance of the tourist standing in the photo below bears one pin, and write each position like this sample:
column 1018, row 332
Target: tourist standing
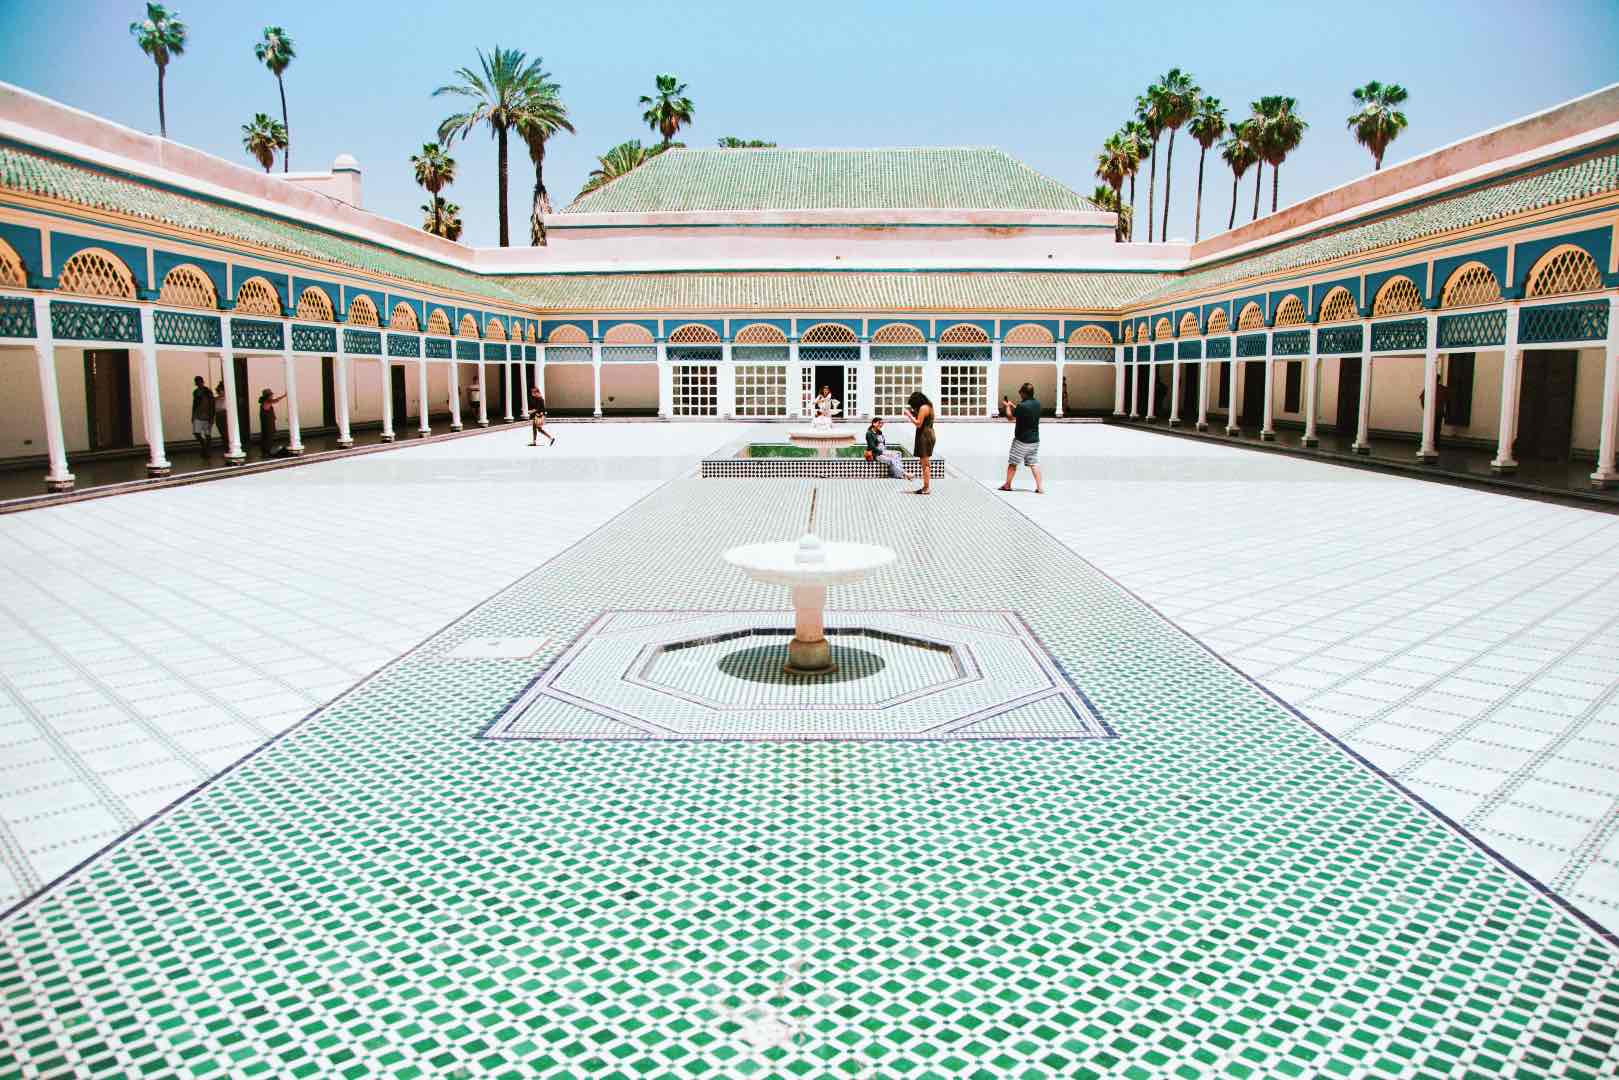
column 536, row 418
column 919, row 411
column 267, row 404
column 877, row 449
column 202, row 413
column 220, row 416
column 1025, row 415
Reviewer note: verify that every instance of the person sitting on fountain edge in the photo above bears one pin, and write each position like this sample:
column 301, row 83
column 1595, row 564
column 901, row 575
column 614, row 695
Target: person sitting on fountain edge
column 877, row 449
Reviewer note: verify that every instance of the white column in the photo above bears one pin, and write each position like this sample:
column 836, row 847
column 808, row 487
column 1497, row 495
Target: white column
column 483, row 389
column 539, row 368
column 596, row 374
column 930, row 376
column 1203, row 389
column 157, row 462
column 1608, row 432
column 1118, row 381
column 295, row 442
column 1427, row 452
column 387, row 399
column 1312, row 365
column 1363, row 410
column 1233, row 371
column 340, row 381
column 522, row 384
column 725, row 389
column 233, row 426
column 57, row 478
column 992, row 399
column 1267, row 427
column 1175, row 394
column 1131, row 394
column 795, row 381
column 506, row 374
column 454, row 380
column 666, row 382
column 424, row 427
column 866, row 396
column 1152, row 390
column 1062, row 358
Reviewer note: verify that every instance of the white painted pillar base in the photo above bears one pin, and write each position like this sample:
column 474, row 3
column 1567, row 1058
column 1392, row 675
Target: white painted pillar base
column 1312, row 372
column 1175, row 394
column 157, row 462
column 1608, row 429
column 506, row 374
column 522, row 387
column 1363, row 409
column 1131, row 394
column 454, row 377
column 1203, row 391
column 57, row 477
column 234, row 455
column 295, row 441
column 1428, row 452
column 1267, row 426
column 340, row 381
column 1062, row 362
column 424, row 406
column 1152, row 393
column 596, row 375
column 387, row 399
column 1118, row 382
column 483, row 394
column 1233, row 373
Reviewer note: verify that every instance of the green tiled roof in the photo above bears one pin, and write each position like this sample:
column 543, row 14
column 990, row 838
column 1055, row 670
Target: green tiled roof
column 851, row 290
column 909, row 178
column 49, row 177
column 1564, row 183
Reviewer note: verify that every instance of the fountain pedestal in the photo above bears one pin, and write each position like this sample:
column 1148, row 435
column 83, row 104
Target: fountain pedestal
column 808, row 653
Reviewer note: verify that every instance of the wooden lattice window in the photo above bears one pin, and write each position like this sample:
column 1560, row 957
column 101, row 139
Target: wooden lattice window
column 1161, row 330
column 759, row 334
column 494, row 330
column 11, row 267
column 1090, row 335
column 468, row 327
column 188, row 286
column 827, row 334
column 693, row 334
column 532, row 335
column 1141, row 330
column 94, row 272
column 1129, row 333
column 1563, row 270
column 1339, row 306
column 627, row 334
column 1472, row 284
column 898, row 334
column 313, row 303
column 1189, row 324
column 438, row 322
column 1398, row 296
column 962, row 334
column 362, row 312
column 1290, row 312
column 1219, row 322
column 567, row 335
column 1252, row 318
column 1027, row 334
column 403, row 318
column 255, row 296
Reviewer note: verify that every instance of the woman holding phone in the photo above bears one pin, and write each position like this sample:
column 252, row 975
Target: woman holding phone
column 919, row 411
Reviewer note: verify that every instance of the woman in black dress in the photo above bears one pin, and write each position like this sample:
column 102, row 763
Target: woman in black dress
column 267, row 404
column 919, row 411
column 536, row 418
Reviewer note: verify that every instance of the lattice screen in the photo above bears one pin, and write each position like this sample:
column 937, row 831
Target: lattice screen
column 695, row 390
column 255, row 296
column 93, row 272
column 693, row 334
column 828, row 334
column 1027, row 334
column 1219, row 323
column 1251, row 318
column 1472, row 284
column 188, row 286
column 1398, row 296
column 1161, row 329
column 1339, row 306
column 963, row 389
column 627, row 334
column 898, row 334
column 1290, row 312
column 1091, row 335
column 469, row 326
column 314, row 304
column 11, row 268
column 962, row 334
column 761, row 390
column 1188, row 324
column 438, row 322
column 531, row 335
column 494, row 330
column 567, row 335
column 1562, row 271
column 893, row 386
column 362, row 312
column 1129, row 334
column 403, row 318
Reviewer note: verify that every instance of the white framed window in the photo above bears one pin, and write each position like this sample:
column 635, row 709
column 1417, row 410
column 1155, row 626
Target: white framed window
column 963, row 389
column 894, row 384
column 851, row 390
column 761, row 390
column 696, row 390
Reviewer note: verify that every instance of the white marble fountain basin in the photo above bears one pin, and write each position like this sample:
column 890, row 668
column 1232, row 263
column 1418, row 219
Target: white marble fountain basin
column 809, row 561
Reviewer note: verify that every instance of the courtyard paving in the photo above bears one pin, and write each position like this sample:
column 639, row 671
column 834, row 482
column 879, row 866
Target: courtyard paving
column 1214, row 888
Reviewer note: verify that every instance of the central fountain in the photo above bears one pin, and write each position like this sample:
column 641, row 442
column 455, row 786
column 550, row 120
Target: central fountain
column 807, row 566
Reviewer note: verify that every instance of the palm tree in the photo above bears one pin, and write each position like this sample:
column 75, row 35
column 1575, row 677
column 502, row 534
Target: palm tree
column 542, row 115
column 1137, row 143
column 1177, row 99
column 731, row 142
column 435, row 171
column 1378, row 121
column 669, row 109
column 621, row 159
column 442, row 218
column 1253, row 133
column 1283, row 132
column 1238, row 152
column 498, row 95
column 162, row 36
column 262, row 138
column 1149, row 116
column 1207, row 125
column 1107, row 198
column 276, row 52
column 1111, row 166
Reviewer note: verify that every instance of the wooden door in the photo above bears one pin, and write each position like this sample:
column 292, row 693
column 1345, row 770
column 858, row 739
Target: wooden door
column 328, row 392
column 1546, row 407
column 400, row 399
column 1348, row 415
column 1253, row 393
column 1190, row 374
column 107, row 405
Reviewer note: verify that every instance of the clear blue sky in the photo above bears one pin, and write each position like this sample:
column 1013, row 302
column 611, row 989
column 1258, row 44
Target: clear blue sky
column 1044, row 81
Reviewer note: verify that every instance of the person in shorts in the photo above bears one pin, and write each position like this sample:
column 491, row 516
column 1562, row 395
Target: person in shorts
column 202, row 413
column 1025, row 415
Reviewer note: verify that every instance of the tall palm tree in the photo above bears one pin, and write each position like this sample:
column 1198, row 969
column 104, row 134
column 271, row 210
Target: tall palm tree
column 621, row 159
column 542, row 115
column 1107, row 197
column 1137, row 144
column 1177, row 100
column 498, row 94
column 162, row 36
column 1111, row 165
column 1238, row 152
column 276, row 52
column 1150, row 117
column 1283, row 132
column 441, row 218
column 1253, row 133
column 669, row 109
column 1379, row 120
column 435, row 171
column 1207, row 126
column 262, row 137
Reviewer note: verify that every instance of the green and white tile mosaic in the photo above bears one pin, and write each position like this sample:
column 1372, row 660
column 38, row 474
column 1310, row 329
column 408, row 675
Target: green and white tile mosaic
column 1220, row 891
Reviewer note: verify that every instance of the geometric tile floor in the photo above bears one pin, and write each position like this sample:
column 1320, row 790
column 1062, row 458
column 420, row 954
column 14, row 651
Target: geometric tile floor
column 1220, row 890
column 919, row 674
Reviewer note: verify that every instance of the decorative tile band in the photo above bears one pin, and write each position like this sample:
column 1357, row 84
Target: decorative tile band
column 438, row 348
column 1473, row 328
column 572, row 354
column 314, row 339
column 186, row 328
column 1143, row 353
column 1251, row 345
column 1290, row 343
column 17, row 317
column 1089, row 354
column 257, row 334
column 492, row 351
column 1582, row 321
column 640, row 354
column 466, row 350
column 405, row 346
column 1164, row 350
column 811, row 468
column 1405, row 334
column 1337, row 340
column 362, row 342
column 1189, row 349
column 1218, row 348
column 75, row 321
